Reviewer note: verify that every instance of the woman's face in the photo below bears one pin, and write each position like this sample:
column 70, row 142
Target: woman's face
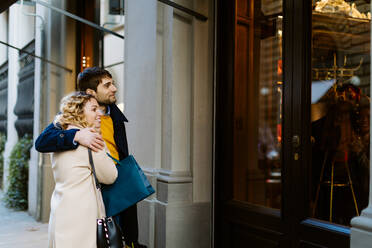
column 92, row 113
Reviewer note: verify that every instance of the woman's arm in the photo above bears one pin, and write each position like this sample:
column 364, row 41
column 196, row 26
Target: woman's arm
column 105, row 168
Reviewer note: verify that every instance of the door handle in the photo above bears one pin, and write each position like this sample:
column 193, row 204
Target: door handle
column 296, row 144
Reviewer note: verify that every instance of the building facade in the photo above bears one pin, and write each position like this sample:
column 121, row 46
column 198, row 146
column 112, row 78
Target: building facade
column 250, row 118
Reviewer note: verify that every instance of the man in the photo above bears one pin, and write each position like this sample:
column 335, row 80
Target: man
column 99, row 83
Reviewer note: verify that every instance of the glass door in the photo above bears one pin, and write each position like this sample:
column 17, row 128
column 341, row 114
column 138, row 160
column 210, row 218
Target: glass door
column 335, row 116
column 249, row 119
column 340, row 114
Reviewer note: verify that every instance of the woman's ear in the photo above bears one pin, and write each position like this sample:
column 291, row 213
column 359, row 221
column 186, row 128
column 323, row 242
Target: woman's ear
column 91, row 92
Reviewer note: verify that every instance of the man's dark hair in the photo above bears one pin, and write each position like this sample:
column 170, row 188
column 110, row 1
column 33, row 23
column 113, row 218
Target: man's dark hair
column 90, row 78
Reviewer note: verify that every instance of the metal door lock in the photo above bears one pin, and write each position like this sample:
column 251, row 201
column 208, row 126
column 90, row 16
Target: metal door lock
column 296, row 141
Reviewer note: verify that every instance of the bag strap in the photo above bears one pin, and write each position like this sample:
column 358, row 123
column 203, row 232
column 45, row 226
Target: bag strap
column 97, row 191
column 117, row 161
column 98, row 185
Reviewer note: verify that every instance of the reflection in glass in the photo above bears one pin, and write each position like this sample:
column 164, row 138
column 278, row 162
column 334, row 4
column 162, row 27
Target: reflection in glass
column 269, row 116
column 258, row 103
column 340, row 111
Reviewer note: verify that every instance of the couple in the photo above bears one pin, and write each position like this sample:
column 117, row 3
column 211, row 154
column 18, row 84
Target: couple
column 87, row 119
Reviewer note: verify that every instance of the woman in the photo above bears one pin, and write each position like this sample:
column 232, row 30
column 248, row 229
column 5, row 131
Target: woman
column 74, row 205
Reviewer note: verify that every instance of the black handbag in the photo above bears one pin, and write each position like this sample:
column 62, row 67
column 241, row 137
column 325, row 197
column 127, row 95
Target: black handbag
column 108, row 232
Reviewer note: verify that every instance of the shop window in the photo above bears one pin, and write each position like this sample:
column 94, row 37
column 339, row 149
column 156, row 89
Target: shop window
column 340, row 109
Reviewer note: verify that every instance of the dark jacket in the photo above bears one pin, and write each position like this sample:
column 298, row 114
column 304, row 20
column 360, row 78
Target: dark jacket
column 55, row 139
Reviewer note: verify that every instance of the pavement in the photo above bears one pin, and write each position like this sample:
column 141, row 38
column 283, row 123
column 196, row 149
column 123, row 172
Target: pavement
column 19, row 230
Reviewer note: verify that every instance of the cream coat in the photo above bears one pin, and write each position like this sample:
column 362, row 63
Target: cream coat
column 74, row 208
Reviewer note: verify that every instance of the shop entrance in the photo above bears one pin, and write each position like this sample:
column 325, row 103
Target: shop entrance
column 292, row 122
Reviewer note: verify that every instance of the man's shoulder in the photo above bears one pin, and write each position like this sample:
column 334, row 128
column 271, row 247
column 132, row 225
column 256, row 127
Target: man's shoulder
column 57, row 125
column 53, row 126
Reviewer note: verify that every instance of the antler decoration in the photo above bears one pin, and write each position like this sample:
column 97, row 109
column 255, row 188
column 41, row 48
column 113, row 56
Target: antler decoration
column 336, row 72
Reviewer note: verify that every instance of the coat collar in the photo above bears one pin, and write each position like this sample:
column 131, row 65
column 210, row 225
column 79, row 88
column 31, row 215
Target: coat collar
column 116, row 114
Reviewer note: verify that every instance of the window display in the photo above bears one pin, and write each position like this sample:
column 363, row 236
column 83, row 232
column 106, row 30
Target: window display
column 340, row 7
column 340, row 109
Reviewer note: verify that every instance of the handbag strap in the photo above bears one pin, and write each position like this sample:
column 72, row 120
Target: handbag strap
column 97, row 191
column 98, row 185
column 115, row 160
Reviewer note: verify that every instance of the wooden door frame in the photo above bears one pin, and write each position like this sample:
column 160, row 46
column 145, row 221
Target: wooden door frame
column 293, row 219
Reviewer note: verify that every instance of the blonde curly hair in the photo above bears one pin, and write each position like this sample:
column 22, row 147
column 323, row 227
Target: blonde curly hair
column 72, row 110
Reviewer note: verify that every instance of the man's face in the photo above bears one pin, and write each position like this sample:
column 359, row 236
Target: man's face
column 106, row 90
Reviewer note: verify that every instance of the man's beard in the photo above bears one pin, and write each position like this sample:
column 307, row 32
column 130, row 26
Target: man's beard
column 106, row 101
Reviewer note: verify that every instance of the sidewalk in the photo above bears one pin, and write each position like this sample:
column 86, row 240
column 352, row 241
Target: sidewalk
column 19, row 230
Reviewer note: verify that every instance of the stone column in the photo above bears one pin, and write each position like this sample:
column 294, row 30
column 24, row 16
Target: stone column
column 35, row 170
column 3, row 73
column 142, row 100
column 169, row 104
column 13, row 68
column 187, row 131
column 142, row 105
column 202, row 107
